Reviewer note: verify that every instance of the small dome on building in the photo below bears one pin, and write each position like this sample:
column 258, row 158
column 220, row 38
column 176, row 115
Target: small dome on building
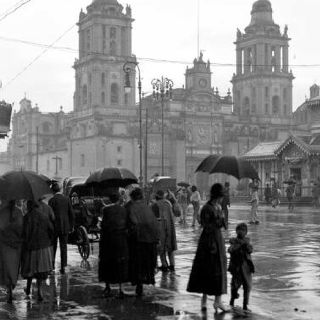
column 112, row 2
column 261, row 12
column 262, row 6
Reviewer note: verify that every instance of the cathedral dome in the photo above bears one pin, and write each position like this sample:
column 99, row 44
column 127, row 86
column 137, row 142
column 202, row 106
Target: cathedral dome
column 261, row 13
column 112, row 2
column 262, row 6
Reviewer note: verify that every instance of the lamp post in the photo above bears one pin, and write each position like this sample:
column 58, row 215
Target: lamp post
column 127, row 68
column 162, row 89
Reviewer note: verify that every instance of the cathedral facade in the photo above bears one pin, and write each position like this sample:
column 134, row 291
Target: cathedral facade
column 103, row 128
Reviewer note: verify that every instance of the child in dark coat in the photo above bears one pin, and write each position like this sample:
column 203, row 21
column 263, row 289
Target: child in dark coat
column 241, row 266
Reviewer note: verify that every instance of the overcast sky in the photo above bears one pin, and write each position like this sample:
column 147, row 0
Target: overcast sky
column 163, row 29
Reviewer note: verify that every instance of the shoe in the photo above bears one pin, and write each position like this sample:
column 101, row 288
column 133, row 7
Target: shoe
column 163, row 269
column 246, row 309
column 171, row 268
column 257, row 222
column 251, row 222
column 221, row 306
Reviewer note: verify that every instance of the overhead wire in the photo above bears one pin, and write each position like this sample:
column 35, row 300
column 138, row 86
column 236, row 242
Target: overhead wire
column 147, row 59
column 13, row 9
column 47, row 47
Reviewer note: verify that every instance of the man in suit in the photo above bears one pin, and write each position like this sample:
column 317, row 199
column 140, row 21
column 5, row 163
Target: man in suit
column 64, row 220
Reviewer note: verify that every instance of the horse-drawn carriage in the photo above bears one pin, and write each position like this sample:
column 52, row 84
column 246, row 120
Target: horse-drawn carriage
column 88, row 196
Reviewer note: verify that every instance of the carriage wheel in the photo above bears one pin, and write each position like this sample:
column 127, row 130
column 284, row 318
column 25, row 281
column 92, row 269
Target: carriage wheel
column 83, row 243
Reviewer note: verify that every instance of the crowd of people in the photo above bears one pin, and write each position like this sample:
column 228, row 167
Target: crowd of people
column 133, row 235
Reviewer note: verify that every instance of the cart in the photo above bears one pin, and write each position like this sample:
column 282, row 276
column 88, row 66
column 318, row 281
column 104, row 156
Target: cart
column 87, row 208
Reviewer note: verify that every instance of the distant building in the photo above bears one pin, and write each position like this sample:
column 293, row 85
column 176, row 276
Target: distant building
column 103, row 128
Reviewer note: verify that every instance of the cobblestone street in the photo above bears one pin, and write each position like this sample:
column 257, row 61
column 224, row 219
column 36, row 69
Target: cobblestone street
column 286, row 283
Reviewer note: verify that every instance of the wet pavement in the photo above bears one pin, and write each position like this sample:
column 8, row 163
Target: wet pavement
column 286, row 284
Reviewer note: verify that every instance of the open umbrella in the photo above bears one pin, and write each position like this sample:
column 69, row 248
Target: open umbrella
column 15, row 185
column 183, row 184
column 112, row 177
column 237, row 167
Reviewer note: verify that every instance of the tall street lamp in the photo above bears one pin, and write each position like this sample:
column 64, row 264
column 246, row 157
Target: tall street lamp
column 162, row 89
column 127, row 68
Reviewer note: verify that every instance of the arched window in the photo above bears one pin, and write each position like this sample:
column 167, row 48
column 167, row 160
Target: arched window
column 285, row 94
column 275, row 104
column 103, row 98
column 84, row 94
column 103, row 79
column 285, row 109
column 113, row 47
column 114, row 93
column 126, row 99
column 246, row 106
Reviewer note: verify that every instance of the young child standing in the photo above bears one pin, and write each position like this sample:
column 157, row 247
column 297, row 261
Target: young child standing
column 241, row 266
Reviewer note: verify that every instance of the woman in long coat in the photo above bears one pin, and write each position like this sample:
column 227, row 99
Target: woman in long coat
column 168, row 242
column 37, row 255
column 113, row 251
column 11, row 221
column 209, row 271
column 143, row 239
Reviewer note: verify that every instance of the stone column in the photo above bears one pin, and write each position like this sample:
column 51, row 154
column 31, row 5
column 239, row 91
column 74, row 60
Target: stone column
column 285, row 58
column 278, row 58
column 239, row 61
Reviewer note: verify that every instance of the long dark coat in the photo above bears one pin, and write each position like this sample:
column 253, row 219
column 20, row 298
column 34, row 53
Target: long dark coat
column 63, row 212
column 143, row 239
column 113, row 252
column 209, row 270
column 11, row 221
column 168, row 240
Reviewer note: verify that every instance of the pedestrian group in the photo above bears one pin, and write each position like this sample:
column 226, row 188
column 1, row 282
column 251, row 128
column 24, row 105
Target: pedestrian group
column 133, row 235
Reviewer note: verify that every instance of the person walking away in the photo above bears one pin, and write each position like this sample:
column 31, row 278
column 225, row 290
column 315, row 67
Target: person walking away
column 195, row 200
column 290, row 196
column 64, row 221
column 276, row 193
column 143, row 240
column 11, row 221
column 183, row 202
column 254, row 187
column 226, row 204
column 241, row 266
column 209, row 270
column 267, row 194
column 37, row 250
column 113, row 250
column 162, row 209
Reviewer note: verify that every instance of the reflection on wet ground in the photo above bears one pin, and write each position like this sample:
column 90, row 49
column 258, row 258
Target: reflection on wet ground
column 286, row 283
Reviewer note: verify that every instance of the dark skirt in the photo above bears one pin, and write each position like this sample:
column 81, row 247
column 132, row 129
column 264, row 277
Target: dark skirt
column 114, row 259
column 37, row 263
column 143, row 262
column 209, row 269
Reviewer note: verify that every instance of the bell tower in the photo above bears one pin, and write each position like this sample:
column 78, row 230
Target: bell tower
column 105, row 44
column 199, row 77
column 262, row 84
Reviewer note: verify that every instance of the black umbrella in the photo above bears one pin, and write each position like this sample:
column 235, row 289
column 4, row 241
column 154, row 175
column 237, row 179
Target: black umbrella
column 183, row 184
column 112, row 177
column 15, row 185
column 237, row 167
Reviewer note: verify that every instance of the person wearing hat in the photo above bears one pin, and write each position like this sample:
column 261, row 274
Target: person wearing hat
column 209, row 270
column 162, row 209
column 64, row 221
